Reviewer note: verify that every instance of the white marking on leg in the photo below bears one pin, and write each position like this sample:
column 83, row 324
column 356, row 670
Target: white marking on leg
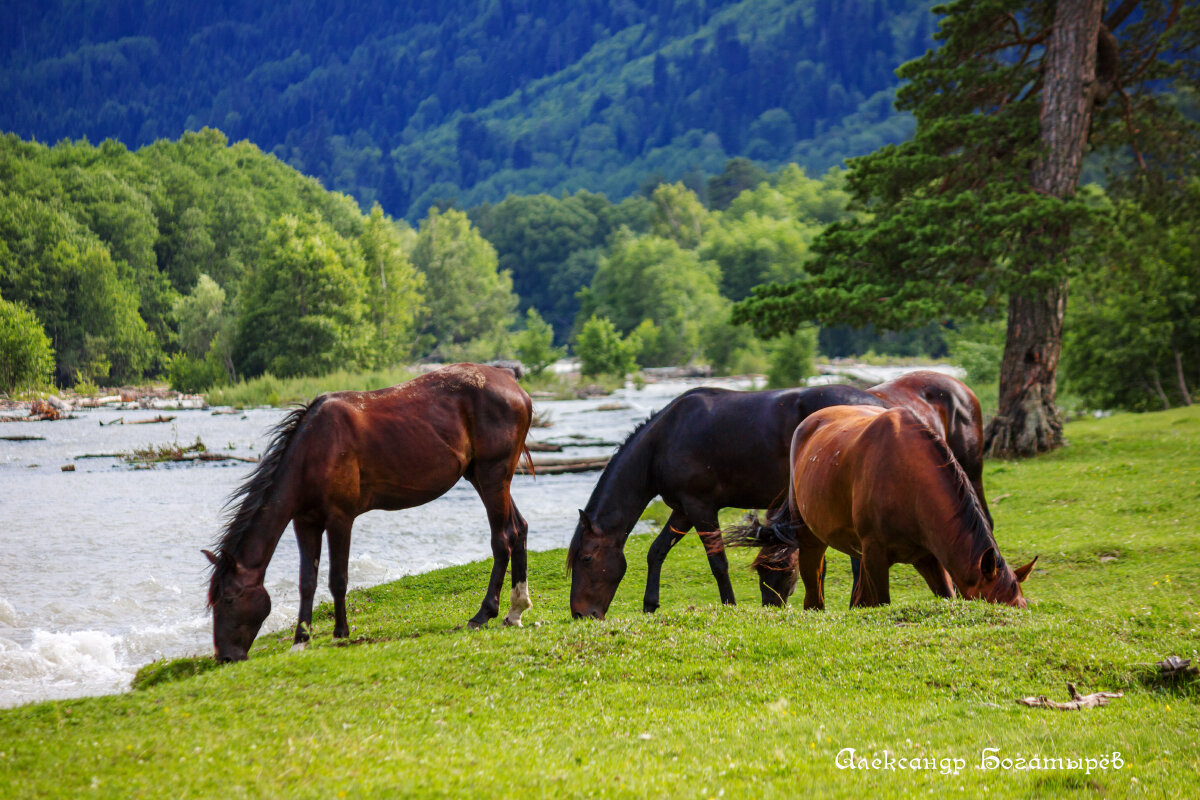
column 519, row 603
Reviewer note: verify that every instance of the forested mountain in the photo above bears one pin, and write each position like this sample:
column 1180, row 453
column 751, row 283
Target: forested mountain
column 429, row 101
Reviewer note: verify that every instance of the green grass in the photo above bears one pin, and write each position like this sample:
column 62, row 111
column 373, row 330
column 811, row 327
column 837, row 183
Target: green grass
column 699, row 699
column 267, row 390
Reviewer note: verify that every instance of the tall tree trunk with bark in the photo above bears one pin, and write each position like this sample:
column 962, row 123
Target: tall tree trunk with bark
column 1028, row 421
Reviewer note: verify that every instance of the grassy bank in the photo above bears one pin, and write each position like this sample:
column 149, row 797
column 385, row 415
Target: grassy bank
column 700, row 700
column 267, row 390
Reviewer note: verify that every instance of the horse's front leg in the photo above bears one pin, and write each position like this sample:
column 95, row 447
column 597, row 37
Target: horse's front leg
column 936, row 576
column 339, row 528
column 308, row 539
column 672, row 532
column 708, row 529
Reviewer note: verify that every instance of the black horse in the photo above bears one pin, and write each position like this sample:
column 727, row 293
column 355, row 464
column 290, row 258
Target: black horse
column 708, row 449
column 714, row 448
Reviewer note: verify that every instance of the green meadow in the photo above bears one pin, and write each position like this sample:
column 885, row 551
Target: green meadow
column 701, row 700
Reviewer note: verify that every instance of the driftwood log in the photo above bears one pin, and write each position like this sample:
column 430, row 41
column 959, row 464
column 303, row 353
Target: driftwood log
column 559, row 466
column 1076, row 702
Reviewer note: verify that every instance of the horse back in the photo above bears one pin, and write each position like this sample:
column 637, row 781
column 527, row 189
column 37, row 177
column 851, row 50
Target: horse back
column 851, row 471
column 945, row 404
column 408, row 444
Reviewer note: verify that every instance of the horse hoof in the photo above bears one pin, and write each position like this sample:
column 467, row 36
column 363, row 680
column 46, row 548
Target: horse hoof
column 476, row 626
column 649, row 609
column 508, row 623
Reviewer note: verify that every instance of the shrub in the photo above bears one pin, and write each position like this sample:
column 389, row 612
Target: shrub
column 26, row 356
column 601, row 349
column 792, row 359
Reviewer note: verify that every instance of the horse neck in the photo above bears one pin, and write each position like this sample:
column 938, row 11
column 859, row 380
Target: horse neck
column 626, row 487
column 257, row 526
column 255, row 550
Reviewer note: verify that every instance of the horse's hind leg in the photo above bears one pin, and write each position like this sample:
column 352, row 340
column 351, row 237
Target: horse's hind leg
column 873, row 589
column 491, row 481
column 519, row 601
column 308, row 539
column 339, row 527
column 672, row 532
column 810, row 561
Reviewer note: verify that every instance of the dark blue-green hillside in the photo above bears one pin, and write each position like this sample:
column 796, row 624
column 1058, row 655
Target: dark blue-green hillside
column 423, row 101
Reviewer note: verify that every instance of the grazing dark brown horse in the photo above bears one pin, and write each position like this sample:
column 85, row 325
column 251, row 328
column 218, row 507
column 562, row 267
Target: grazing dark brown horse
column 883, row 486
column 713, row 448
column 347, row 453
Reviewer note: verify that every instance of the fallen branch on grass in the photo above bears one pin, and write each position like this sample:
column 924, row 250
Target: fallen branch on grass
column 1076, row 702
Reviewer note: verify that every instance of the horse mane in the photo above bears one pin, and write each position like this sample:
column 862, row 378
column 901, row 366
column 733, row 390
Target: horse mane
column 244, row 504
column 969, row 509
column 612, row 468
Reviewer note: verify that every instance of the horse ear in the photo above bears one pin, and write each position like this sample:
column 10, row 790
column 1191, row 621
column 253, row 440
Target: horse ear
column 212, row 559
column 1023, row 572
column 586, row 522
column 989, row 564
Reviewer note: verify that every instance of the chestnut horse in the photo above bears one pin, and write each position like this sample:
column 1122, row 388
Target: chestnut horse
column 946, row 405
column 883, row 486
column 347, row 453
column 710, row 449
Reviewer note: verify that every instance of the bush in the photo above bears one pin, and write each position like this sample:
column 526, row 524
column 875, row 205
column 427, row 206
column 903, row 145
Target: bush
column 792, row 359
column 194, row 375
column 26, row 356
column 535, row 344
column 601, row 349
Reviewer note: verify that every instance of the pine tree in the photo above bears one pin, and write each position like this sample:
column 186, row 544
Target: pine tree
column 979, row 212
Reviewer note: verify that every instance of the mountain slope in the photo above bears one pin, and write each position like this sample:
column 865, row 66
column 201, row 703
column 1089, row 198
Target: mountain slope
column 469, row 100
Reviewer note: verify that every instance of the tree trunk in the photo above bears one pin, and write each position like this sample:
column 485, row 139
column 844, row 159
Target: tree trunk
column 1183, row 387
column 1158, row 388
column 1028, row 422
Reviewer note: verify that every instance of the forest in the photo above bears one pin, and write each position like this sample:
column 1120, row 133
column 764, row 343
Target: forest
column 414, row 104
column 209, row 262
column 518, row 215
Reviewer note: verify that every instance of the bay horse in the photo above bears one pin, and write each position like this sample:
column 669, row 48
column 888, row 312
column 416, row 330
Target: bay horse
column 346, row 453
column 881, row 485
column 710, row 449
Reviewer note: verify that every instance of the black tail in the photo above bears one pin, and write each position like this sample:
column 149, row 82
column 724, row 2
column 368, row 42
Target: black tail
column 776, row 536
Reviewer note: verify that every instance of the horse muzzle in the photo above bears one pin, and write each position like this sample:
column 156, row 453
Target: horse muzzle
column 595, row 613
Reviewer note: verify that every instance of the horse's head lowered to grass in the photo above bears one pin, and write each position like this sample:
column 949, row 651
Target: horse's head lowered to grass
column 240, row 604
column 601, row 556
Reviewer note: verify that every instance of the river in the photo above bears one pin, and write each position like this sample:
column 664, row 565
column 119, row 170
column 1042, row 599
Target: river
column 101, row 570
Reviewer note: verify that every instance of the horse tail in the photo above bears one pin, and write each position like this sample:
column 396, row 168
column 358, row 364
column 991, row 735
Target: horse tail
column 249, row 499
column 528, row 459
column 775, row 536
